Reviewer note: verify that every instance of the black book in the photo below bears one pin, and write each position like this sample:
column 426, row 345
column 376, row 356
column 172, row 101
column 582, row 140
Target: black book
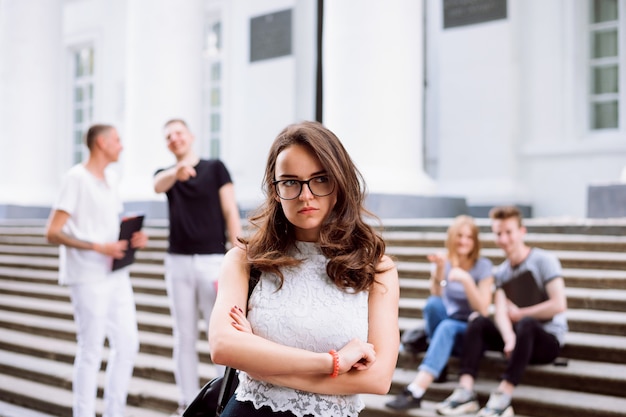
column 523, row 290
column 128, row 226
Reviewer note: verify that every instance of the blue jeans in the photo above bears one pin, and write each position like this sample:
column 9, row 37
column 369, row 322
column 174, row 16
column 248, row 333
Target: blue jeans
column 444, row 333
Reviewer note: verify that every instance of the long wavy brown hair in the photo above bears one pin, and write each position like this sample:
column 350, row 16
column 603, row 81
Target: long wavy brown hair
column 352, row 246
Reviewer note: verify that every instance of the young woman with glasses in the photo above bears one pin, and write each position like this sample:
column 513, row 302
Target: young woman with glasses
column 321, row 324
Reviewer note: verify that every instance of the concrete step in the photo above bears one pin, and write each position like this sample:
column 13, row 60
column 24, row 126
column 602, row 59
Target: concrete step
column 25, row 241
column 591, row 310
column 598, row 299
column 591, row 294
column 592, row 321
column 375, row 407
column 142, row 398
column 577, row 298
column 54, row 310
column 157, row 228
column 158, row 343
column 30, row 262
column 37, row 332
column 35, row 236
column 142, row 283
column 148, row 319
column 527, row 400
column 569, row 259
column 582, row 269
column 37, row 228
column 12, row 410
column 146, row 255
column 578, row 345
column 29, row 250
column 560, row 226
column 149, row 278
column 155, row 336
column 58, row 373
column 148, row 269
column 550, row 241
column 34, row 293
column 600, row 260
column 435, row 240
column 24, row 351
column 582, row 278
column 567, row 374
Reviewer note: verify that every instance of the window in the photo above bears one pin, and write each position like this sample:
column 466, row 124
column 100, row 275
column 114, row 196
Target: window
column 212, row 91
column 606, row 63
column 82, row 100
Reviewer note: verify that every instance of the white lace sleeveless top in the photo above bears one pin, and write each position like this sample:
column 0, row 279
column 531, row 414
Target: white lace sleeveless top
column 308, row 312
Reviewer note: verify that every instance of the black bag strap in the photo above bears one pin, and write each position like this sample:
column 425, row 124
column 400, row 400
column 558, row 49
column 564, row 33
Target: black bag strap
column 231, row 373
column 229, row 377
column 255, row 275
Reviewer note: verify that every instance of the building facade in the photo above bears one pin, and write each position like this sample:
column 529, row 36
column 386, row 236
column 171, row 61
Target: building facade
column 488, row 101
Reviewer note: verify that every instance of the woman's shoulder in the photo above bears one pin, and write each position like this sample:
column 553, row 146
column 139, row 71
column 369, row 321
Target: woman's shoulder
column 385, row 264
column 236, row 254
column 484, row 262
column 386, row 274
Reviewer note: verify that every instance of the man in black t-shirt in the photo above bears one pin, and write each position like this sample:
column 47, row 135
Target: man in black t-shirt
column 203, row 217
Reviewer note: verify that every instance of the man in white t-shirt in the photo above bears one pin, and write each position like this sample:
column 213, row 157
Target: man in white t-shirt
column 85, row 222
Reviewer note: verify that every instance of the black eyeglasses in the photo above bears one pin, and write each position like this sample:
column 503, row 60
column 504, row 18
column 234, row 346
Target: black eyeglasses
column 320, row 186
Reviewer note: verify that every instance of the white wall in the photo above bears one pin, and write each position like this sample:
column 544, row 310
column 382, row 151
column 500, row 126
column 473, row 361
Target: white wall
column 473, row 72
column 263, row 97
column 149, row 69
column 560, row 156
column 163, row 80
column 505, row 104
column 507, row 109
column 373, row 90
column 30, row 35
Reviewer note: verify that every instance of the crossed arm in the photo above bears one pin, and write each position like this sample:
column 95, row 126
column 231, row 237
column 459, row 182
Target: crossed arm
column 364, row 366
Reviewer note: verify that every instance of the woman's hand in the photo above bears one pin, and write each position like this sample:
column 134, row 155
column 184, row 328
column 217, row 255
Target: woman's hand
column 357, row 355
column 240, row 321
column 438, row 259
column 437, row 279
column 459, row 274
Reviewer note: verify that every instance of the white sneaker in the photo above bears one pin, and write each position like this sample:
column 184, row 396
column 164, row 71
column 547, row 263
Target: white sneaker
column 460, row 402
column 499, row 405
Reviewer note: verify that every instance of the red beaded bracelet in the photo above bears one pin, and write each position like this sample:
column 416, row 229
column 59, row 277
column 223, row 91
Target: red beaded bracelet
column 335, row 356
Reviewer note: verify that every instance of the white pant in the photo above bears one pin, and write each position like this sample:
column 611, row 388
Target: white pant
column 191, row 282
column 104, row 309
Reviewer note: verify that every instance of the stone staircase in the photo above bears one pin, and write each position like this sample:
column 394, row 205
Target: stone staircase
column 37, row 339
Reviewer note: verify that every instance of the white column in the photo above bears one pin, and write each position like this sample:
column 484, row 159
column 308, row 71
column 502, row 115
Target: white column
column 30, row 61
column 373, row 90
column 164, row 79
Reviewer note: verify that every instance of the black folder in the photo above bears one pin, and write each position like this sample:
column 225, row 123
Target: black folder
column 523, row 290
column 128, row 226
